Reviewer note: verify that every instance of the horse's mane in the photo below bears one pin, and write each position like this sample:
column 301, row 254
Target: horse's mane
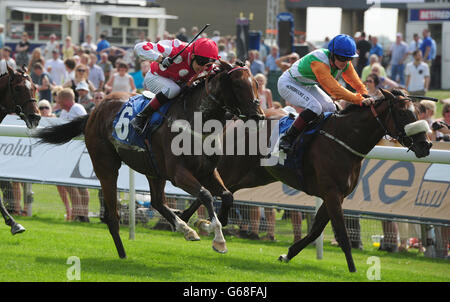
column 358, row 108
column 224, row 66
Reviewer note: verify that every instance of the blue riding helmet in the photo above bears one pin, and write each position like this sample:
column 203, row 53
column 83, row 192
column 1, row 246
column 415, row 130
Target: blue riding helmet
column 343, row 45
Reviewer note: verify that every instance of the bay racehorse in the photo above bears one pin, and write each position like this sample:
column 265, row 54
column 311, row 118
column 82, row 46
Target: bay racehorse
column 331, row 164
column 16, row 96
column 228, row 91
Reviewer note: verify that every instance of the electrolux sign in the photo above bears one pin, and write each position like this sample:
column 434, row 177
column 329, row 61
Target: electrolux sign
column 429, row 15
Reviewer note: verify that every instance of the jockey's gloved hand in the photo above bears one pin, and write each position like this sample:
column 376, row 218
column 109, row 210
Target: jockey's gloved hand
column 368, row 101
column 166, row 62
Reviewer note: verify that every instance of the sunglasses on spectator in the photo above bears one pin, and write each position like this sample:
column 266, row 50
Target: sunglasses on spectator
column 98, row 98
column 81, row 70
column 44, row 108
column 369, row 81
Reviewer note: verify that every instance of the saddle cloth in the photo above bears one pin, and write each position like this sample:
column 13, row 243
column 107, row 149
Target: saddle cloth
column 122, row 129
column 294, row 160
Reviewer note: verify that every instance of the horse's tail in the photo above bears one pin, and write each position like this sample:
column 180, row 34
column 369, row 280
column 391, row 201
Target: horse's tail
column 61, row 134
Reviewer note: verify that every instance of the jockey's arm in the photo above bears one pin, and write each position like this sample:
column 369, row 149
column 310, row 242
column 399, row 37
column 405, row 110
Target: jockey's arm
column 351, row 77
column 326, row 80
column 146, row 52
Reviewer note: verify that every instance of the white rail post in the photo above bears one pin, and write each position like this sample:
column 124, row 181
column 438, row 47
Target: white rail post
column 319, row 240
column 132, row 205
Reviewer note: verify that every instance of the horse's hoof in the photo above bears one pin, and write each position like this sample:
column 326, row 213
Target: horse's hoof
column 17, row 229
column 283, row 258
column 192, row 236
column 220, row 247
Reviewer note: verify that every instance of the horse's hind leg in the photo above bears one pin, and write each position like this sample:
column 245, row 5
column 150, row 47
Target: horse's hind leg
column 106, row 166
column 16, row 228
column 319, row 224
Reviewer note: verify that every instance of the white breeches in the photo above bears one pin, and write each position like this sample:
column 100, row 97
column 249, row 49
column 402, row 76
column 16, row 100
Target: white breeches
column 156, row 84
column 306, row 96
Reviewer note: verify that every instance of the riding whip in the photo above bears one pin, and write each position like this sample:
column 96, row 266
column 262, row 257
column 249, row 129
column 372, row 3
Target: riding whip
column 419, row 97
column 193, row 39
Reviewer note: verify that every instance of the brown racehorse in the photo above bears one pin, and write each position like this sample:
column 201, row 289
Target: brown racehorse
column 230, row 91
column 330, row 169
column 16, row 96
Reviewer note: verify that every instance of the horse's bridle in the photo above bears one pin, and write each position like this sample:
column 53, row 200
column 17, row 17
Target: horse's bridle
column 401, row 134
column 229, row 110
column 14, row 108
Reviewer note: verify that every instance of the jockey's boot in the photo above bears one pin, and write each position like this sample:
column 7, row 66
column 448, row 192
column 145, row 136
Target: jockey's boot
column 303, row 119
column 140, row 120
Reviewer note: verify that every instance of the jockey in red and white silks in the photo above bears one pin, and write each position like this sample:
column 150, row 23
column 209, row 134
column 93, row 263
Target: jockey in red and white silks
column 167, row 74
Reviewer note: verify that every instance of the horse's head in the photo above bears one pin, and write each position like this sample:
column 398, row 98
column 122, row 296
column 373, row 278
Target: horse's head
column 20, row 99
column 236, row 89
column 403, row 124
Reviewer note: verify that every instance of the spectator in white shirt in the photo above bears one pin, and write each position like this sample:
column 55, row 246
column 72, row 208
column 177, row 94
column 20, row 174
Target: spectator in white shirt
column 88, row 45
column 80, row 195
column 6, row 55
column 51, row 45
column 70, row 109
column 56, row 68
column 417, row 75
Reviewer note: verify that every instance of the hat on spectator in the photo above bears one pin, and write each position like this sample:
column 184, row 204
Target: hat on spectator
column 44, row 103
column 82, row 86
column 357, row 34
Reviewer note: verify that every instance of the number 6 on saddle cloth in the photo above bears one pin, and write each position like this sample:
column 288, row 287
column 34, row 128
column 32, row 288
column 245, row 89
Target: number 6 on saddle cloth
column 125, row 133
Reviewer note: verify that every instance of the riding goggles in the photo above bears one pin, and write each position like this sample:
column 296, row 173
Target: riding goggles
column 342, row 58
column 203, row 60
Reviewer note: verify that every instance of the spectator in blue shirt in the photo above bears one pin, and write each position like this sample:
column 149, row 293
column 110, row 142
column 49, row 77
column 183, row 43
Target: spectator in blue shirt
column 138, row 76
column 425, row 46
column 256, row 65
column 102, row 44
column 376, row 48
column 271, row 64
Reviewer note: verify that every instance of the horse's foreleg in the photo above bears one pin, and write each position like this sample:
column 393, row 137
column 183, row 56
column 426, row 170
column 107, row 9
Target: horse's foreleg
column 158, row 198
column 319, row 224
column 16, row 228
column 187, row 214
column 186, row 181
column 337, row 220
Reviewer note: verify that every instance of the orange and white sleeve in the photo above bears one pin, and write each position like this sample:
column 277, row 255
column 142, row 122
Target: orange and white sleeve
column 336, row 90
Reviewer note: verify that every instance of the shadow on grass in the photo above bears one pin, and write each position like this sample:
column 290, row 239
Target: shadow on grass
column 117, row 267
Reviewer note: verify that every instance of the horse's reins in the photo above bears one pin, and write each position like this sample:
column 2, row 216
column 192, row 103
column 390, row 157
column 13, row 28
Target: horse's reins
column 375, row 114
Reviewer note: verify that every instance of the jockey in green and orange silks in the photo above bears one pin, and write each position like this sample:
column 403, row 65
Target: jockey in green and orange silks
column 299, row 85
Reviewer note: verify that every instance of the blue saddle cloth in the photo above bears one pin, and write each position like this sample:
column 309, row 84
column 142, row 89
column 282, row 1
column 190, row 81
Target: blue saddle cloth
column 294, row 160
column 122, row 129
